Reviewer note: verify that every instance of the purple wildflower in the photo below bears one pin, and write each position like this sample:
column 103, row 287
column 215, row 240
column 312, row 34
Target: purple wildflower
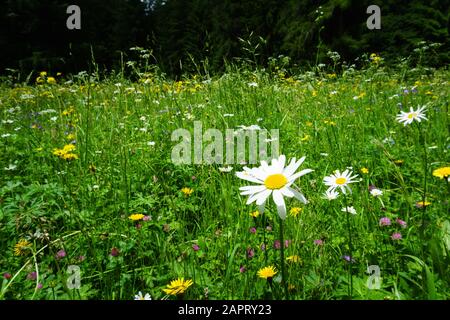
column 401, row 223
column 60, row 254
column 250, row 253
column 385, row 221
column 318, row 242
column 396, row 236
column 114, row 252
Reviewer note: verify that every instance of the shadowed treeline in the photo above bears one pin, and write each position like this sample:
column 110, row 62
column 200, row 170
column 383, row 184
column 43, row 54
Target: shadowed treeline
column 186, row 34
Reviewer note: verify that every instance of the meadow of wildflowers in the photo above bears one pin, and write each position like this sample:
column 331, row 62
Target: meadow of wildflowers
column 362, row 180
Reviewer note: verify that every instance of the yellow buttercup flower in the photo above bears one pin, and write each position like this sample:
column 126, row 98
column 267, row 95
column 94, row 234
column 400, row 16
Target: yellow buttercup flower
column 51, row 80
column 364, row 170
column 178, row 286
column 21, row 247
column 267, row 272
column 375, row 58
column 136, row 216
column 43, row 73
column 421, row 204
column 295, row 211
column 254, row 214
column 293, row 258
column 187, row 191
column 442, row 173
column 70, row 156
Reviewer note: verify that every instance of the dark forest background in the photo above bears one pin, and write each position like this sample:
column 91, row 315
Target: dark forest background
column 183, row 34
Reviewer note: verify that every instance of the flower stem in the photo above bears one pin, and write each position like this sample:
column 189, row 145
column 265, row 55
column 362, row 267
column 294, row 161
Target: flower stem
column 425, row 169
column 283, row 269
column 350, row 245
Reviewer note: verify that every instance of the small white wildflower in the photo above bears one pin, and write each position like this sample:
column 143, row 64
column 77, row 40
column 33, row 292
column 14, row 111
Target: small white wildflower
column 376, row 192
column 349, row 210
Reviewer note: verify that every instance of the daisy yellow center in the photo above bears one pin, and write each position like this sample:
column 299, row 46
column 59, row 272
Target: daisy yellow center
column 275, row 181
column 412, row 115
column 341, row 181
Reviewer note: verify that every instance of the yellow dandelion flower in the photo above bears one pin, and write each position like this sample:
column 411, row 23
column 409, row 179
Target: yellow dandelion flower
column 178, row 286
column 136, row 216
column 187, row 191
column 375, row 58
column 254, row 214
column 69, row 148
column 58, row 152
column 364, row 170
column 70, row 156
column 442, row 173
column 51, row 80
column 293, row 258
column 267, row 272
column 295, row 211
column 421, row 204
column 21, row 247
column 43, row 73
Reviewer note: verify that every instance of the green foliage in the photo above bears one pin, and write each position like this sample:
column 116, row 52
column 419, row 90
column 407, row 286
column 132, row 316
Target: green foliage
column 121, row 134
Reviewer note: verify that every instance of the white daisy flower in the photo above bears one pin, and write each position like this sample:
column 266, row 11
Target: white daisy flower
column 151, row 143
column 349, row 210
column 275, row 180
column 252, row 84
column 409, row 117
column 54, row 119
column 376, row 192
column 140, row 296
column 330, row 195
column 225, row 169
column 340, row 180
